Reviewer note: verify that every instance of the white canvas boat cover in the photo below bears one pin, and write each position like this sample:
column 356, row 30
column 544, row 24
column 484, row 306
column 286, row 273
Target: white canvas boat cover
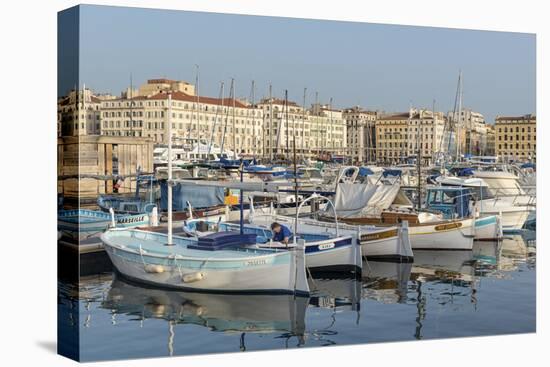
column 361, row 200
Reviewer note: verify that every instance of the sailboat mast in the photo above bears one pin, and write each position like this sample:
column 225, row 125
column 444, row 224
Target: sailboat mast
column 286, row 124
column 270, row 123
column 169, row 186
column 317, row 123
column 234, row 124
column 216, row 119
column 129, row 96
column 198, row 108
column 253, row 122
column 458, row 123
column 303, row 123
column 329, row 130
column 231, row 91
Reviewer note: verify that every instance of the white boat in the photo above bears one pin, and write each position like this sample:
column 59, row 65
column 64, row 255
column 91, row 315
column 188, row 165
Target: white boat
column 386, row 205
column 217, row 263
column 443, row 235
column 513, row 215
column 455, row 202
column 324, row 251
column 391, row 243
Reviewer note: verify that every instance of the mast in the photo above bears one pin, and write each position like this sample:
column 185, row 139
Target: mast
column 253, row 123
column 131, row 106
column 270, row 123
column 286, row 123
column 330, row 129
column 418, row 162
column 216, row 119
column 197, row 101
column 317, row 132
column 459, row 95
column 231, row 91
column 169, row 186
column 303, row 123
column 234, row 125
column 295, row 187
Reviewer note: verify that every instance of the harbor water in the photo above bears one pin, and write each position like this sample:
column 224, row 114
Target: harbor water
column 442, row 294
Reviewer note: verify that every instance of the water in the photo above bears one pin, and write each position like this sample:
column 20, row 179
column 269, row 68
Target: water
column 487, row 291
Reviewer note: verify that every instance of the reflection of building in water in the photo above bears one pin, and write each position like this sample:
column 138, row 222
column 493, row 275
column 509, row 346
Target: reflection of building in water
column 386, row 282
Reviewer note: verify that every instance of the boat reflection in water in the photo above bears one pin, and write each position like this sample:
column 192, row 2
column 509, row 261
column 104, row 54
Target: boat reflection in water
column 230, row 313
column 486, row 291
column 386, row 282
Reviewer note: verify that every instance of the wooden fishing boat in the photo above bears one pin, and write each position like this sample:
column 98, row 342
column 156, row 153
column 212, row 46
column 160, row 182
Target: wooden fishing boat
column 83, row 223
column 388, row 243
column 386, row 205
column 217, row 263
column 324, row 251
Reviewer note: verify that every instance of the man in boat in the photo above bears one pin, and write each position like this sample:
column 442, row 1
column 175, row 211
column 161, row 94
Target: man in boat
column 281, row 233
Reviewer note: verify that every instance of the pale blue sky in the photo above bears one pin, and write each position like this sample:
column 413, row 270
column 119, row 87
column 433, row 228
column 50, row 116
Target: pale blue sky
column 376, row 66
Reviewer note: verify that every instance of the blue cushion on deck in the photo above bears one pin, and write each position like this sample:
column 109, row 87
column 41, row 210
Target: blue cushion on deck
column 222, row 240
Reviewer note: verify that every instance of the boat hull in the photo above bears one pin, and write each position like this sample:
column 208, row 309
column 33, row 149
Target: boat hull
column 81, row 223
column 376, row 243
column 513, row 219
column 454, row 235
column 280, row 272
column 488, row 228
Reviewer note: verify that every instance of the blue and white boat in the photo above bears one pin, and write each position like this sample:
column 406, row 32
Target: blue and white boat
column 454, row 202
column 83, row 223
column 132, row 204
column 221, row 262
column 324, row 251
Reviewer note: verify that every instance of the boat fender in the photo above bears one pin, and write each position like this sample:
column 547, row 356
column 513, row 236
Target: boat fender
column 154, row 217
column 193, row 277
column 154, row 269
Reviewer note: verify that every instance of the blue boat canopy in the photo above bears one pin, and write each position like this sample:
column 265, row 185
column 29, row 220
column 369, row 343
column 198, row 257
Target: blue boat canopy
column 528, row 165
column 365, row 171
column 392, row 172
column 198, row 196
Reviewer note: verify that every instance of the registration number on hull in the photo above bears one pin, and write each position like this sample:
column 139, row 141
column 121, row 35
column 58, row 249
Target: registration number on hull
column 326, row 246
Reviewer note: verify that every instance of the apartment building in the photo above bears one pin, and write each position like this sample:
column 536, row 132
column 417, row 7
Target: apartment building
column 361, row 134
column 516, row 137
column 223, row 121
column 400, row 135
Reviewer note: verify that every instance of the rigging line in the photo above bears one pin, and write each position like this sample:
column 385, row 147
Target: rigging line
column 216, row 119
column 231, row 91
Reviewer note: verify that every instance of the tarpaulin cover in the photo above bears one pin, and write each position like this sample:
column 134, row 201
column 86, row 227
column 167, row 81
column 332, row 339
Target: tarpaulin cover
column 364, row 171
column 198, row 196
column 392, row 172
column 359, row 200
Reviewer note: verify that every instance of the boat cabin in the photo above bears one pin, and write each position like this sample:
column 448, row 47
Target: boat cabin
column 452, row 202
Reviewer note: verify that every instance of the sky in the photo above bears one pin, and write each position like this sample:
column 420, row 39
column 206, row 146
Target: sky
column 376, row 66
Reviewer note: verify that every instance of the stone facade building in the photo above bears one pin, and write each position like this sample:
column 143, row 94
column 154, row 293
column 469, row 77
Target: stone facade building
column 516, row 137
